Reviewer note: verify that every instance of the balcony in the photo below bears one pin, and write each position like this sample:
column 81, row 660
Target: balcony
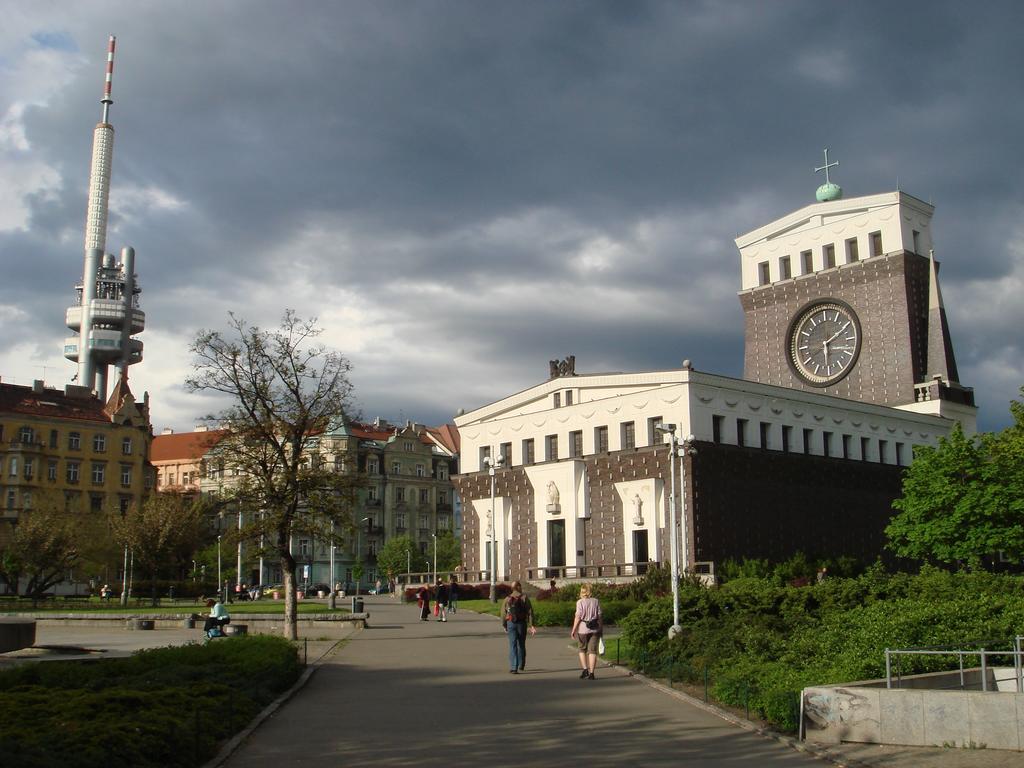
column 25, row 446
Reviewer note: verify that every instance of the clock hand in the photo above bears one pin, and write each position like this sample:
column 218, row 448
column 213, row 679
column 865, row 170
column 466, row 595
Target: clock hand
column 841, row 330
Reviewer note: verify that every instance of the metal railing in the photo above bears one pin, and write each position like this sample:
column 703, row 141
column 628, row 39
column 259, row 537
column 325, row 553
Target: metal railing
column 983, row 653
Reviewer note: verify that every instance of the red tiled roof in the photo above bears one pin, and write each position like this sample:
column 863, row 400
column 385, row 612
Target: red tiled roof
column 50, row 403
column 448, row 436
column 187, row 445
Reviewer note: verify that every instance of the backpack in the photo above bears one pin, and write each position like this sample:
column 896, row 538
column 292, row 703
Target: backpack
column 516, row 610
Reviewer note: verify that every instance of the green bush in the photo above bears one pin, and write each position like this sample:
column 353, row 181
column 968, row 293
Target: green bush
column 161, row 707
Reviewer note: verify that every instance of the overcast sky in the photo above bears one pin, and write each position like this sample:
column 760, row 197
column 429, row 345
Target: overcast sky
column 463, row 191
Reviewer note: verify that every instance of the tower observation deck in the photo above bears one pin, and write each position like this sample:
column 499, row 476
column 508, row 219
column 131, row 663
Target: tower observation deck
column 107, row 314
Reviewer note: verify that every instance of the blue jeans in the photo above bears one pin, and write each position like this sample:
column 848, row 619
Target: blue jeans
column 516, row 644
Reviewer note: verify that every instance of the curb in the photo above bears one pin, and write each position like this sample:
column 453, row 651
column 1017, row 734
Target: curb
column 789, row 741
column 236, row 741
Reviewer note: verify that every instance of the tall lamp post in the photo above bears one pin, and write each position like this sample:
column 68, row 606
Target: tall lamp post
column 220, row 585
column 491, row 463
column 433, row 579
column 686, row 448
column 238, row 567
column 670, row 430
column 332, row 603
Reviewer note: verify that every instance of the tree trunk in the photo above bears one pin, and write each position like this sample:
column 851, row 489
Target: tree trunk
column 290, row 624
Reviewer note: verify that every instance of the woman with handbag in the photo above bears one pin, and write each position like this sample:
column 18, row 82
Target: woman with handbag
column 587, row 628
column 423, row 597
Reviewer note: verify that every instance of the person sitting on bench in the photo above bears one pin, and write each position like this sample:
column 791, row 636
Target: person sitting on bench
column 218, row 616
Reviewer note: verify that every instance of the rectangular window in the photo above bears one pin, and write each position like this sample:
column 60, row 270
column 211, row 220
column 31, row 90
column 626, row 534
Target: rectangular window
column 628, row 435
column 766, row 431
column 13, row 472
column 372, row 466
column 96, row 502
column 54, row 437
column 785, row 271
column 865, row 445
column 764, row 274
column 99, row 443
column 808, row 434
column 424, row 496
column 126, row 446
column 741, row 432
column 126, row 475
column 568, row 397
column 98, row 473
column 576, row 444
column 899, row 454
column 30, row 468
column 557, row 397
column 74, row 441
column 528, row 451
column 12, row 498
column 400, row 494
column 551, row 447
column 883, row 452
column 601, row 439
column 875, row 238
column 26, row 435
column 654, row 435
column 442, row 497
column 846, row 446
column 829, row 256
column 442, row 471
column 505, row 451
column 371, row 493
column 408, row 446
column 852, row 253
column 424, row 522
column 485, row 455
column 917, row 240
column 396, row 467
column 51, row 470
column 400, row 521
column 716, row 428
column 420, row 470
column 826, row 443
column 807, row 259
column 787, row 437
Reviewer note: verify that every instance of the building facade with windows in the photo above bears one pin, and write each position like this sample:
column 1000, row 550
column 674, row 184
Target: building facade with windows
column 178, row 459
column 406, row 490
column 848, row 367
column 68, row 447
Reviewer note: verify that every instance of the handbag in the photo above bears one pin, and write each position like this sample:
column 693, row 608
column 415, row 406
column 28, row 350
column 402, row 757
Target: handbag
column 437, row 608
column 600, row 646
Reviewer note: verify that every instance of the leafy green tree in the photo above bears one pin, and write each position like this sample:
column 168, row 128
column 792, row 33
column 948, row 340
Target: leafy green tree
column 449, row 552
column 44, row 546
column 963, row 500
column 395, row 556
column 162, row 532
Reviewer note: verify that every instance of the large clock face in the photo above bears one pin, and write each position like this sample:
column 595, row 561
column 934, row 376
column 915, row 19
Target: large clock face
column 824, row 342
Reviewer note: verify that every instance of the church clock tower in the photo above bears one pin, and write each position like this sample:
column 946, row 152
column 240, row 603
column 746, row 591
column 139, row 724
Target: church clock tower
column 841, row 297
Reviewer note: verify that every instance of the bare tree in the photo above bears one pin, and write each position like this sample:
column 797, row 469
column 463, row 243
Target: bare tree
column 285, row 390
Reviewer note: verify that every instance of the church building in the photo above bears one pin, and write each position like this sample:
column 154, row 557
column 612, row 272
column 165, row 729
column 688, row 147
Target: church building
column 848, row 365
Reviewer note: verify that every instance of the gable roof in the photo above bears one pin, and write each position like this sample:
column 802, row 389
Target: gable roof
column 187, row 445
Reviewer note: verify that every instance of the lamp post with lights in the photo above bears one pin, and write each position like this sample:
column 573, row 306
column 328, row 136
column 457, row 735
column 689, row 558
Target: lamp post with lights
column 491, row 463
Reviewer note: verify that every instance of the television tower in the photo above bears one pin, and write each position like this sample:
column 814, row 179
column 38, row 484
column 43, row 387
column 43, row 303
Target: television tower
column 107, row 314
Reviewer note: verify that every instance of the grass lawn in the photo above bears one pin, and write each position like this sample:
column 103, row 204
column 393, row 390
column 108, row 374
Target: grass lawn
column 142, row 605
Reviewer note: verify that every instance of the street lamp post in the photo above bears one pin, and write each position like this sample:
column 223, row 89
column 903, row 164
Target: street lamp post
column 686, row 448
column 238, row 567
column 491, row 463
column 219, row 584
column 433, row 579
column 332, row 603
column 670, row 430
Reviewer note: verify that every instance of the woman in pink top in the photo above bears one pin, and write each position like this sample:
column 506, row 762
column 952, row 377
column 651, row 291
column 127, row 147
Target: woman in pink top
column 587, row 629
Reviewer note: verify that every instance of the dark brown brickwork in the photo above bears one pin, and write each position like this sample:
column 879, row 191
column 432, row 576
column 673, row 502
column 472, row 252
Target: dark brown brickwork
column 889, row 295
column 768, row 504
column 744, row 502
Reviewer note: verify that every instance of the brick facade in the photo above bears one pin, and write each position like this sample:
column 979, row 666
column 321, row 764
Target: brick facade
column 889, row 295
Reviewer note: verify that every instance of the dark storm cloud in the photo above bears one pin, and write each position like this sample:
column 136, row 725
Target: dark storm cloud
column 481, row 176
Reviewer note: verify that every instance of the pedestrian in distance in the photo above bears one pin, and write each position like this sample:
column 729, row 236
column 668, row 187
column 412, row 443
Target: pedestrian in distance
column 517, row 620
column 453, row 595
column 441, row 600
column 587, row 629
column 423, row 598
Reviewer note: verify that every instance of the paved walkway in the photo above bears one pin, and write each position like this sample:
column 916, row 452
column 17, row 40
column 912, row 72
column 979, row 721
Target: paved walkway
column 405, row 692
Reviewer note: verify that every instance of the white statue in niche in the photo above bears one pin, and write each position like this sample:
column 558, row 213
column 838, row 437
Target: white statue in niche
column 638, row 509
column 552, row 495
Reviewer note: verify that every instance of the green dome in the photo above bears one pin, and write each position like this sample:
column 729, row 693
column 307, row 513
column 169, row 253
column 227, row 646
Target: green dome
column 828, row 191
